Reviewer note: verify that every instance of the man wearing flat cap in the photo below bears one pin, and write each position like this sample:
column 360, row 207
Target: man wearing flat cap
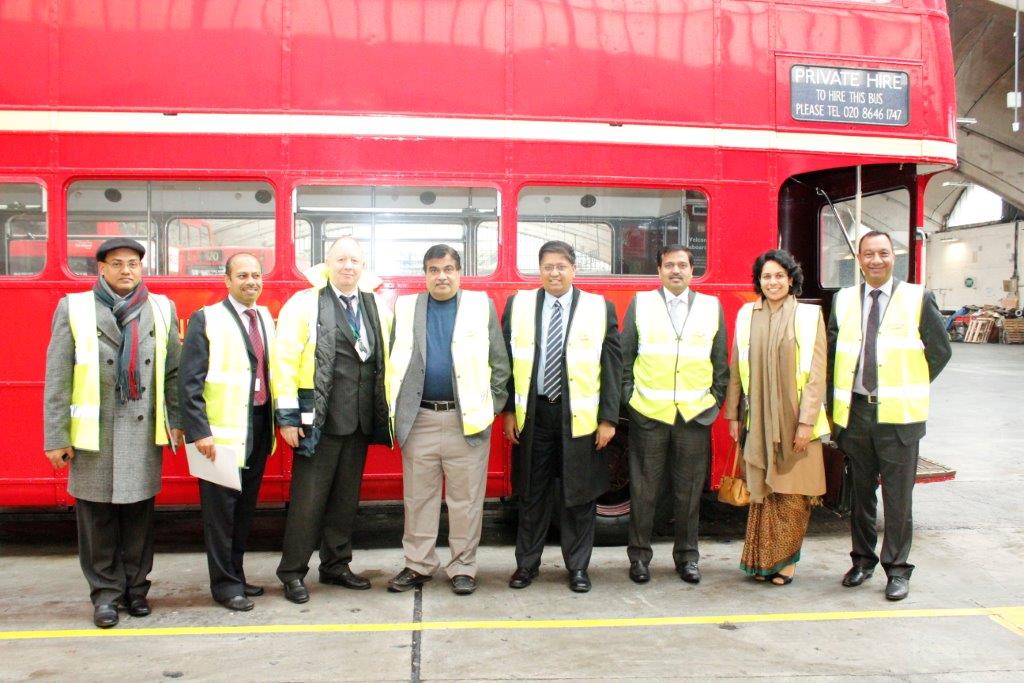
column 110, row 406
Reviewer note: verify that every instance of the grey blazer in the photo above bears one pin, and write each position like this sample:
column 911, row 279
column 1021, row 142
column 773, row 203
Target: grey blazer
column 408, row 403
column 127, row 467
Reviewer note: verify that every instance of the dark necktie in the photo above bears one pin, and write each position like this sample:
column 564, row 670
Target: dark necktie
column 256, row 339
column 870, row 359
column 553, row 354
column 350, row 313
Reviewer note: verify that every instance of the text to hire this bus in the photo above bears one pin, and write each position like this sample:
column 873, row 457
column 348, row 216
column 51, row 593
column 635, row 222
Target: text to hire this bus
column 274, row 127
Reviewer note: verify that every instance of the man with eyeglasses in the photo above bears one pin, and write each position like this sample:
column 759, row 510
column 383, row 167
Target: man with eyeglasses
column 328, row 385
column 675, row 371
column 110, row 406
column 447, row 381
column 562, row 409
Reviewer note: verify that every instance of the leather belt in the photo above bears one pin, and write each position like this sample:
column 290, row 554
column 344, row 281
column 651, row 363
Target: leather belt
column 438, row 406
column 556, row 399
column 867, row 398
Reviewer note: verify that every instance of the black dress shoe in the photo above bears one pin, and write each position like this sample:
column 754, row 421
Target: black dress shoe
column 251, row 591
column 238, row 603
column 105, row 615
column 579, row 582
column 296, row 591
column 639, row 572
column 522, row 577
column 138, row 607
column 347, row 578
column 689, row 572
column 463, row 584
column 897, row 588
column 856, row 576
column 407, row 579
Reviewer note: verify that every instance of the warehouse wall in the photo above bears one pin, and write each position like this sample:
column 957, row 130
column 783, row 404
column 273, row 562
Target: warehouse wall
column 984, row 254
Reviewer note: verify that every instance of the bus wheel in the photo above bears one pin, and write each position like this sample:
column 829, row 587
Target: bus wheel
column 613, row 507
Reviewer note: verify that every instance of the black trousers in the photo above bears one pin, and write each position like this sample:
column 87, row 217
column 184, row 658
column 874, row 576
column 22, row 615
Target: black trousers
column 115, row 548
column 227, row 514
column 684, row 450
column 324, row 501
column 876, row 450
column 576, row 522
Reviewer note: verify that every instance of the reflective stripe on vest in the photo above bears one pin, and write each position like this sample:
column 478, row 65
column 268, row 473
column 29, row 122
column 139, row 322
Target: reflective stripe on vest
column 471, row 353
column 85, row 383
column 294, row 360
column 673, row 374
column 229, row 376
column 805, row 321
column 903, row 379
column 583, row 345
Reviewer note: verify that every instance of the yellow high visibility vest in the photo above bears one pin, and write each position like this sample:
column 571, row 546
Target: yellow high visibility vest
column 85, row 383
column 229, row 377
column 294, row 359
column 806, row 323
column 673, row 373
column 903, row 379
column 471, row 357
column 584, row 341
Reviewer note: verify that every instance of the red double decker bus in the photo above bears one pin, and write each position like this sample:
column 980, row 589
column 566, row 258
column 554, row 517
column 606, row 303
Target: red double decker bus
column 732, row 126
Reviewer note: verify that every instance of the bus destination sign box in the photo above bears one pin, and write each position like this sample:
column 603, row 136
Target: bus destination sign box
column 865, row 96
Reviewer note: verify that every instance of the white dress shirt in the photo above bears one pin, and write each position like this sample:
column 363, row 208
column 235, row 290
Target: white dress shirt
column 545, row 318
column 865, row 309
column 361, row 347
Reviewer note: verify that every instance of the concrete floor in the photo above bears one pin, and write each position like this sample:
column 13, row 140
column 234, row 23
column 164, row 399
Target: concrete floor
column 964, row 617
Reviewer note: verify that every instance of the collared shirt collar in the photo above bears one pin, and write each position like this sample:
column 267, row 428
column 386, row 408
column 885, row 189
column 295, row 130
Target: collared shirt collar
column 565, row 299
column 886, row 288
column 684, row 295
column 338, row 293
column 239, row 307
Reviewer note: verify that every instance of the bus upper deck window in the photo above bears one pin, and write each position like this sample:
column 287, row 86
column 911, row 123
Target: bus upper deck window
column 189, row 228
column 397, row 224
column 614, row 230
column 23, row 217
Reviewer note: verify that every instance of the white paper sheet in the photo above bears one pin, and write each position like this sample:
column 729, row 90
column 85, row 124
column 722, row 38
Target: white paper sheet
column 223, row 470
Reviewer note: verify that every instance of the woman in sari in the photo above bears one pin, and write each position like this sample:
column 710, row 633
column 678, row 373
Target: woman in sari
column 778, row 368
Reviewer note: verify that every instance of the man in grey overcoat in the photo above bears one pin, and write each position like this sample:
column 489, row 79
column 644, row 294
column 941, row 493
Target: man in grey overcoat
column 110, row 405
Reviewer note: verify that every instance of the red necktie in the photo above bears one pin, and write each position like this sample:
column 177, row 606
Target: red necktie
column 256, row 339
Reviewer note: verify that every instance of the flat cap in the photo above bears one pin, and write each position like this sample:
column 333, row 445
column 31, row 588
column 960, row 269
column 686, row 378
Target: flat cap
column 119, row 243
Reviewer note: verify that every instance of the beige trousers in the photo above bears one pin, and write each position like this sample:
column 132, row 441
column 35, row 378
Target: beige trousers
column 436, row 452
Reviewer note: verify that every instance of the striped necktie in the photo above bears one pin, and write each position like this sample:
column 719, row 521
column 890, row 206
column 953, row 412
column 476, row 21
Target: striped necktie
column 256, row 340
column 553, row 354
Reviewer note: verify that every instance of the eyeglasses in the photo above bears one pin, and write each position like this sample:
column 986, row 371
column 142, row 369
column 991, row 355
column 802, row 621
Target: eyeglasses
column 134, row 264
column 561, row 268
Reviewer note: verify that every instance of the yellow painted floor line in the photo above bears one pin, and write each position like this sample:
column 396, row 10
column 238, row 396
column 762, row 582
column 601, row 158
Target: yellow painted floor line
column 1011, row 617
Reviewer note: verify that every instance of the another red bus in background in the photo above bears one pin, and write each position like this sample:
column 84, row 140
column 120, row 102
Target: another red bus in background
column 732, row 126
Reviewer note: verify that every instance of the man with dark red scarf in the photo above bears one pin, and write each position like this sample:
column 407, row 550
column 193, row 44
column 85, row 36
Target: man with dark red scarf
column 110, row 405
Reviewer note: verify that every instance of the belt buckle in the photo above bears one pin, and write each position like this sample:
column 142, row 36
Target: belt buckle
column 872, row 399
column 552, row 400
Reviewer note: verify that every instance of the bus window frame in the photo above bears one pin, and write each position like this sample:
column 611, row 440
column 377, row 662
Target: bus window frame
column 316, row 228
column 70, row 180
column 47, row 213
column 614, row 278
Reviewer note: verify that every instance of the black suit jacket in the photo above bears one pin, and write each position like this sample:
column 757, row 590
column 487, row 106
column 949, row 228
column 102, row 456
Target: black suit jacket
column 937, row 352
column 195, row 361
column 719, row 360
column 584, row 470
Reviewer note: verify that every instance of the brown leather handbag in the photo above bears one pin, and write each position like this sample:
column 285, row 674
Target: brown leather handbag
column 734, row 490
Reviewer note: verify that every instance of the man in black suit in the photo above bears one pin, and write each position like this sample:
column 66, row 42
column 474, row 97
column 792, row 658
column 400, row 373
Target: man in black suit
column 226, row 402
column 331, row 405
column 562, row 410
column 887, row 342
column 675, row 370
